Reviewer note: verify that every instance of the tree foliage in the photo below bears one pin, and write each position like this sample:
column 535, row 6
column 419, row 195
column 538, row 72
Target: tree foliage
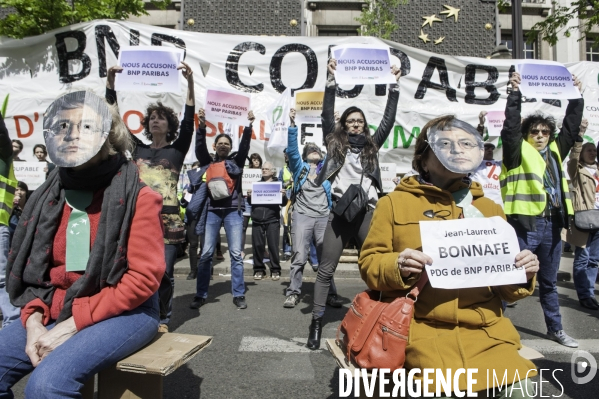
column 378, row 19
column 34, row 17
column 557, row 25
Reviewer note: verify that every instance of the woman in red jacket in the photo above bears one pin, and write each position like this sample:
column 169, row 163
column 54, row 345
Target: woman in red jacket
column 86, row 258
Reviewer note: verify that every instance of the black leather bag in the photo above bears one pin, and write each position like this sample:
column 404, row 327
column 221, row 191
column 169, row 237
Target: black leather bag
column 587, row 221
column 353, row 202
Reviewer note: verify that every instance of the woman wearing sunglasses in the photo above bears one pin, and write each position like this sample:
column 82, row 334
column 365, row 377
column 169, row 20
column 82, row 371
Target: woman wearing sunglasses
column 351, row 165
column 535, row 191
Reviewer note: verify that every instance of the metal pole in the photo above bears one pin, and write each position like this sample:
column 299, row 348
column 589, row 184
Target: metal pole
column 302, row 21
column 517, row 35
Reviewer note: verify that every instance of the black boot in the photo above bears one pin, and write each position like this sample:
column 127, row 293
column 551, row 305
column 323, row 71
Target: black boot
column 315, row 333
column 193, row 274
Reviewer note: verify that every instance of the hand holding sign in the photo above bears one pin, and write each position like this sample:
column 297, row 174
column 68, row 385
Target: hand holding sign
column 529, row 262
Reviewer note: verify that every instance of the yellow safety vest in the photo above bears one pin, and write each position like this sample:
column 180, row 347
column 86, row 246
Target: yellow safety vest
column 522, row 188
column 7, row 195
column 287, row 176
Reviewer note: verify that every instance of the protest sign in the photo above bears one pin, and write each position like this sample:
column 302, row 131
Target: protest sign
column 227, row 106
column 495, row 122
column 471, row 252
column 278, row 121
column 31, row 173
column 267, row 193
column 546, row 80
column 149, row 68
column 363, row 64
column 387, row 175
column 249, row 177
column 308, row 104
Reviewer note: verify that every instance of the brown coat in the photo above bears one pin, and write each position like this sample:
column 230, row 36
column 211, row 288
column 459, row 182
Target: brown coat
column 451, row 329
column 583, row 195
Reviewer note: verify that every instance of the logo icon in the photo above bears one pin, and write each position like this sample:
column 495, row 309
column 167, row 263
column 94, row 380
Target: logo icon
column 584, row 367
column 276, row 114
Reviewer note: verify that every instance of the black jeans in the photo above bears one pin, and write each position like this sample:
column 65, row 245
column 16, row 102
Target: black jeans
column 336, row 237
column 272, row 232
column 194, row 241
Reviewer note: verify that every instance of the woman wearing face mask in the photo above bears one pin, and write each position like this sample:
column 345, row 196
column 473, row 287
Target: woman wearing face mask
column 582, row 168
column 352, row 160
column 159, row 165
column 213, row 213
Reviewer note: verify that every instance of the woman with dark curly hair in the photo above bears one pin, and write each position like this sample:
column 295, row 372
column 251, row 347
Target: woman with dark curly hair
column 159, row 166
column 351, row 164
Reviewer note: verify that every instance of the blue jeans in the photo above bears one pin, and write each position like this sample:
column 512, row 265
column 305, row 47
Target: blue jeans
column 585, row 267
column 233, row 221
column 313, row 253
column 64, row 371
column 9, row 312
column 167, row 285
column 546, row 243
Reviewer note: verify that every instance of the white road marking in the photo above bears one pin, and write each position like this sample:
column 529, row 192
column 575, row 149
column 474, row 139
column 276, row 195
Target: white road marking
column 271, row 344
column 548, row 347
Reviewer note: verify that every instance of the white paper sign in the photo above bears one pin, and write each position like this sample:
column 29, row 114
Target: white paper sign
column 363, row 64
column 387, row 175
column 227, row 106
column 149, row 68
column 31, row 173
column 546, row 80
column 495, row 122
column 472, row 252
column 267, row 193
column 249, row 177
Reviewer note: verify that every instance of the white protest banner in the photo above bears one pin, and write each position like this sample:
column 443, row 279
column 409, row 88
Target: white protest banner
column 278, row 122
column 264, row 193
column 308, row 104
column 547, row 80
column 471, row 252
column 227, row 106
column 495, row 122
column 387, row 175
column 363, row 64
column 31, row 173
column 249, row 177
column 147, row 68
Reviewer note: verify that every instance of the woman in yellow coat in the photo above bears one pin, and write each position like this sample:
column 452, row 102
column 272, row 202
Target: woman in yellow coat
column 451, row 328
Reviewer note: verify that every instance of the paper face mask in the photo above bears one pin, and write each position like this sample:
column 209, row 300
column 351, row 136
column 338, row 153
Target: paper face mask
column 76, row 126
column 459, row 148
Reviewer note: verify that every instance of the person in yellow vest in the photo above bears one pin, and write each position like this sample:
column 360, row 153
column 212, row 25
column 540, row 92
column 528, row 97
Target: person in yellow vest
column 535, row 192
column 286, row 177
column 8, row 185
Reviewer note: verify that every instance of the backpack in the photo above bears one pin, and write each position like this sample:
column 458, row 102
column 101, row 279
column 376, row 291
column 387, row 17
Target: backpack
column 219, row 183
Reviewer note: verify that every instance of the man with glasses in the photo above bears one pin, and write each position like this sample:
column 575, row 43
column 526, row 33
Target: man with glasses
column 535, row 192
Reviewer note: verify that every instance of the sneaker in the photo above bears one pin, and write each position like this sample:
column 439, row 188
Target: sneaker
column 334, row 301
column 192, row 275
column 197, row 303
column 315, row 268
column 219, row 255
column 276, row 276
column 291, row 301
column 286, row 256
column 562, row 338
column 162, row 328
column 239, row 301
column 258, row 276
column 512, row 305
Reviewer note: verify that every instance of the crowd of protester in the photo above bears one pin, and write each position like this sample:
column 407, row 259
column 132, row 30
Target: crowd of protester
column 331, row 195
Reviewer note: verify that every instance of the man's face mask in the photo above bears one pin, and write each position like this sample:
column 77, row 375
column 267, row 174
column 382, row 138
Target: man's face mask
column 76, row 126
column 460, row 149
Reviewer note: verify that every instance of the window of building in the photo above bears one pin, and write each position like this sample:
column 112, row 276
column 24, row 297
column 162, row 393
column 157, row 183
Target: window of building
column 592, row 52
column 530, row 49
column 342, row 32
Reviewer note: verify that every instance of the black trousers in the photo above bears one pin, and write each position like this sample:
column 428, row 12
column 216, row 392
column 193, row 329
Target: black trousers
column 262, row 234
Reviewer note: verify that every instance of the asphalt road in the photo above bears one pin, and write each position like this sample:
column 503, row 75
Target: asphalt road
column 259, row 352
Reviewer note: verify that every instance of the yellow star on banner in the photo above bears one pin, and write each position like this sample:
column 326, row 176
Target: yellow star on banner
column 439, row 40
column 430, row 19
column 424, row 37
column 451, row 12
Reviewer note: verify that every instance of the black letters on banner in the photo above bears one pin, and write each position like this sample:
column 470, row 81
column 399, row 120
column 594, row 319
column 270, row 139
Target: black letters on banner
column 438, row 63
column 471, row 84
column 133, row 37
column 158, row 38
column 381, row 90
column 277, row 61
column 355, row 92
column 232, row 66
column 64, row 56
column 104, row 32
column 305, row 134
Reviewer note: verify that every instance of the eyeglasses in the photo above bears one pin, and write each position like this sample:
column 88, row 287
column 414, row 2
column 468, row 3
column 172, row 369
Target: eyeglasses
column 446, row 145
column 85, row 127
column 354, row 121
column 544, row 132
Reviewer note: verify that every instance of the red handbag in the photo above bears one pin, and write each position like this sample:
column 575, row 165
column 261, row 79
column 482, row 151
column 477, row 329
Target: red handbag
column 376, row 333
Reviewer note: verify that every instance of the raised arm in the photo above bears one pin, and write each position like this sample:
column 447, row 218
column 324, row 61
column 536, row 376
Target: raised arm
column 295, row 159
column 202, row 153
column 571, row 124
column 244, row 144
column 183, row 142
column 511, row 134
column 382, row 132
column 328, row 102
column 111, row 97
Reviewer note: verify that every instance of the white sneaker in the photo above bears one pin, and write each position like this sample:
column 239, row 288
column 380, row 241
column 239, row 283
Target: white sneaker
column 291, row 301
column 562, row 338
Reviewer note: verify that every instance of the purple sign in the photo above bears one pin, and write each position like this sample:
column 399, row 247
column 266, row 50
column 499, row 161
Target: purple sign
column 546, row 80
column 363, row 64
